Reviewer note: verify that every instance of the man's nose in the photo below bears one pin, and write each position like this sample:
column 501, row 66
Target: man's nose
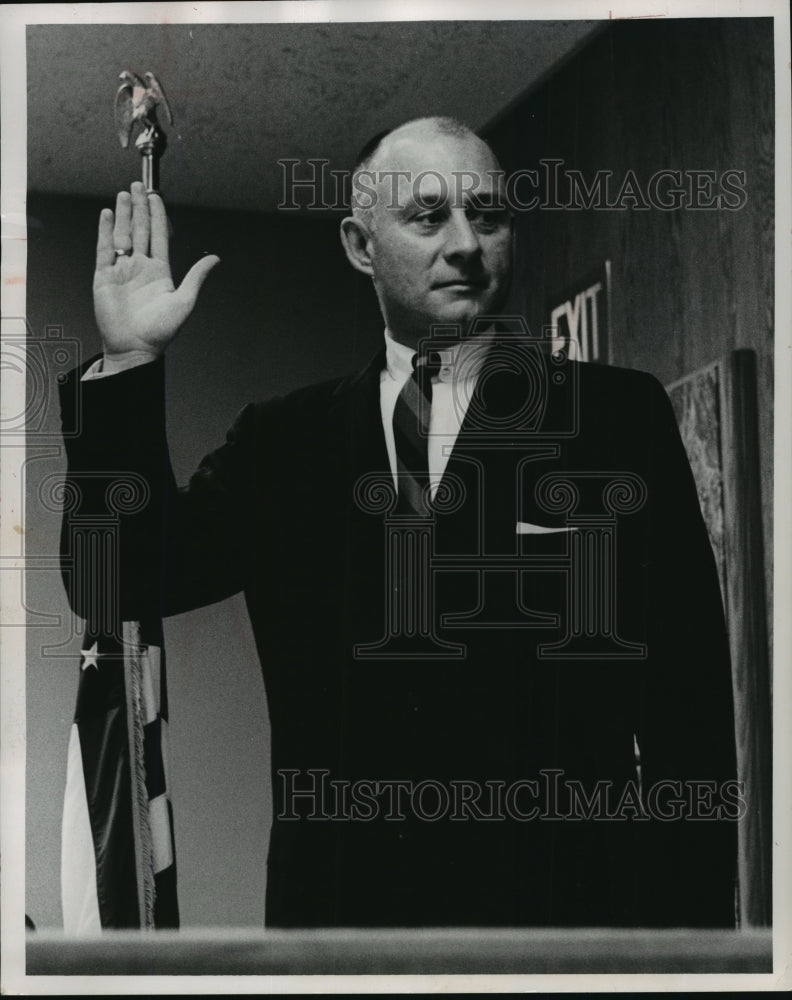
column 461, row 238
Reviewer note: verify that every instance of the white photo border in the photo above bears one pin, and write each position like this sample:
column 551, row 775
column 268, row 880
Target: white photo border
column 14, row 19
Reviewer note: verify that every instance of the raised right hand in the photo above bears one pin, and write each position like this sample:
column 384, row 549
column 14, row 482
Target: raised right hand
column 138, row 310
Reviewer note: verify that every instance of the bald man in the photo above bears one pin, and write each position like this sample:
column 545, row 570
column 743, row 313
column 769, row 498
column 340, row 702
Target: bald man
column 442, row 752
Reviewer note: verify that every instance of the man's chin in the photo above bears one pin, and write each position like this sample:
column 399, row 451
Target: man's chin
column 463, row 311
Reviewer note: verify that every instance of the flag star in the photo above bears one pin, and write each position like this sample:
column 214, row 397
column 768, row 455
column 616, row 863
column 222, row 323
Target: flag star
column 90, row 656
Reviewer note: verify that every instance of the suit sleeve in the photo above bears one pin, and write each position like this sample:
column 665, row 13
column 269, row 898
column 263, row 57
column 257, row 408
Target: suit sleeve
column 173, row 549
column 685, row 728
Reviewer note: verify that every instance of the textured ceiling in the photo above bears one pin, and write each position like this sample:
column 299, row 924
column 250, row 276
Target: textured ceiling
column 244, row 96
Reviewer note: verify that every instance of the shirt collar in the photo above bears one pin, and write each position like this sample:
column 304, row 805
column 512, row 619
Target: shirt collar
column 462, row 360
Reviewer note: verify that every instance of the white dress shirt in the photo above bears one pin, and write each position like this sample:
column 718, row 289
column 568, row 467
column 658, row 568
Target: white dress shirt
column 452, row 389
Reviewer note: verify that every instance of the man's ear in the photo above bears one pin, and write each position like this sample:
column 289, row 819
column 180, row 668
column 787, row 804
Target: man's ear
column 357, row 243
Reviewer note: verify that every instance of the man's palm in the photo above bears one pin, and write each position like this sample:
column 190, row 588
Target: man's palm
column 138, row 309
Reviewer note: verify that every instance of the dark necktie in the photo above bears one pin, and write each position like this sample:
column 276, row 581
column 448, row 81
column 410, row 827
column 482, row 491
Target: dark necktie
column 411, row 436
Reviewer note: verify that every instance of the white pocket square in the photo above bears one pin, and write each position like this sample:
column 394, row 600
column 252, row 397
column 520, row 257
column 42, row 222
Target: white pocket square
column 526, row 528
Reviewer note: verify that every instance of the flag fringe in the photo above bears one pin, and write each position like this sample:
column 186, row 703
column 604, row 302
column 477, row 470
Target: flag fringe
column 140, row 798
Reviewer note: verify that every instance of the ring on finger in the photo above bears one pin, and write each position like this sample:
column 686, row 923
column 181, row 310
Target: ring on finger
column 123, row 253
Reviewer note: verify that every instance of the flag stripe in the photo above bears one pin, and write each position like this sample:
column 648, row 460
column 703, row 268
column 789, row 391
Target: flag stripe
column 166, row 900
column 105, row 767
column 162, row 851
column 153, row 762
column 79, row 896
column 148, row 698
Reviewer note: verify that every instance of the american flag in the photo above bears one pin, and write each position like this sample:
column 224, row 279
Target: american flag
column 118, row 866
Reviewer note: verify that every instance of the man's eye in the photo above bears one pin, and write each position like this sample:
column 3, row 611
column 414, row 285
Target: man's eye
column 487, row 219
column 431, row 218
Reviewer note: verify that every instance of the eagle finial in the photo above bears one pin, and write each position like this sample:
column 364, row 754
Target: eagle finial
column 136, row 101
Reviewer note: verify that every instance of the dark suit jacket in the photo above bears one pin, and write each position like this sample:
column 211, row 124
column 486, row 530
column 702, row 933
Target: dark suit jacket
column 272, row 513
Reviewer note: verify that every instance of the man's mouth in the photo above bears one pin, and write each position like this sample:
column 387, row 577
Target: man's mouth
column 466, row 284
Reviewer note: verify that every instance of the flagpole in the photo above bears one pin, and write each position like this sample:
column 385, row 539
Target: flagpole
column 150, row 151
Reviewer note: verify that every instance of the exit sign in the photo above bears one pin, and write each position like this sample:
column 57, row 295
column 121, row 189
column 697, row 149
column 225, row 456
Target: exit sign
column 580, row 317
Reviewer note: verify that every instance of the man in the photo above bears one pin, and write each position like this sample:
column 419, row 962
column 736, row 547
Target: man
column 477, row 575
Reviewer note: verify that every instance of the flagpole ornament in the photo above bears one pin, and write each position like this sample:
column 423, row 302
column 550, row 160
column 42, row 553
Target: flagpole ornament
column 136, row 104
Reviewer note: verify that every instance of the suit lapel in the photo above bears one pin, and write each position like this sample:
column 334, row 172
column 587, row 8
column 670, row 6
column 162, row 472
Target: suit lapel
column 356, row 408
column 503, row 428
